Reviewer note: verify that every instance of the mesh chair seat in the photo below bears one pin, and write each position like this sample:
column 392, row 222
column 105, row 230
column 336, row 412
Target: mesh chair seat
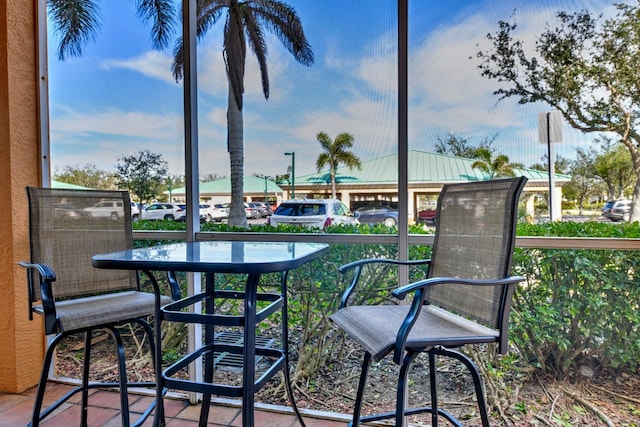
column 375, row 328
column 88, row 312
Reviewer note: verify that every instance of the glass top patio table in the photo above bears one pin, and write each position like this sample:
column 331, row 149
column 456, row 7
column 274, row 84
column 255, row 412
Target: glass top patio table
column 214, row 256
column 210, row 257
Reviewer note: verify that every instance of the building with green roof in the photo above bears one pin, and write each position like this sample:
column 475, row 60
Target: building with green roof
column 67, row 186
column 377, row 180
column 219, row 190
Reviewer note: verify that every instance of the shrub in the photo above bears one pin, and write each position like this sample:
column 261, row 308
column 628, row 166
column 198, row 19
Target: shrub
column 576, row 307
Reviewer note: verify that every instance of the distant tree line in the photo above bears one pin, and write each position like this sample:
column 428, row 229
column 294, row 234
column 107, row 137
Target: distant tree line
column 144, row 174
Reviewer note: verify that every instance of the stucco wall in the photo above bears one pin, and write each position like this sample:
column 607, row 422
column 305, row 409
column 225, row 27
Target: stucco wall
column 21, row 343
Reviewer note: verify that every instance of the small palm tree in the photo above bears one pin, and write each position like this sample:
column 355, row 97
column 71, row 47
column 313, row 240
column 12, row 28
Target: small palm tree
column 78, row 22
column 335, row 153
column 245, row 24
column 495, row 167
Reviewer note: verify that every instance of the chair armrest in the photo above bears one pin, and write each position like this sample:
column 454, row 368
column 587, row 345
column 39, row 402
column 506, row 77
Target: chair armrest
column 357, row 265
column 174, row 285
column 419, row 289
column 344, row 268
column 47, row 277
column 402, row 291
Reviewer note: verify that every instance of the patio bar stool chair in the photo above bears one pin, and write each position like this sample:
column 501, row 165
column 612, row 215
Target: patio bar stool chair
column 66, row 228
column 465, row 299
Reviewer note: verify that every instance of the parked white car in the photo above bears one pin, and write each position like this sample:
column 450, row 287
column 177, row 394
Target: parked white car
column 319, row 213
column 219, row 212
column 135, row 211
column 215, row 213
column 263, row 209
column 160, row 211
column 252, row 212
column 106, row 209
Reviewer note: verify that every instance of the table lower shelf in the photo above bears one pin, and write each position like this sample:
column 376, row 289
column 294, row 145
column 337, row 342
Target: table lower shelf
column 174, row 312
column 273, row 356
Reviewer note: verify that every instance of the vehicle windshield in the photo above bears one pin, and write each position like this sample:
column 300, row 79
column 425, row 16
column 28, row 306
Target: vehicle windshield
column 301, row 209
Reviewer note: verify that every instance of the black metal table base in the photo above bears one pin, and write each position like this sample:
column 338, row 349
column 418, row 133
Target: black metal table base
column 276, row 359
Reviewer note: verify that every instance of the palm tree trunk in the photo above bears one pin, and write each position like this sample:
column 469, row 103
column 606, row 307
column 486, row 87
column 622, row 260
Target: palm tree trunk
column 333, row 181
column 235, row 141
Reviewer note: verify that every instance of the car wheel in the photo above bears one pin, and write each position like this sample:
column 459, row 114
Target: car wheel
column 134, row 217
column 114, row 216
column 389, row 222
column 169, row 216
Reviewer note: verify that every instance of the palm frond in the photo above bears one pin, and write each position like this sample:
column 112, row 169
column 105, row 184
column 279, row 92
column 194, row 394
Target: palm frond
column 163, row 15
column 283, row 21
column 258, row 45
column 208, row 13
column 77, row 21
column 177, row 66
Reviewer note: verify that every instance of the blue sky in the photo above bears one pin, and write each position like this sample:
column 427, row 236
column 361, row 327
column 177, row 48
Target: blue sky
column 120, row 98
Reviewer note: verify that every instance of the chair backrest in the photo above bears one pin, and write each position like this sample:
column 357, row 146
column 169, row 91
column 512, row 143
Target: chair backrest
column 68, row 227
column 475, row 237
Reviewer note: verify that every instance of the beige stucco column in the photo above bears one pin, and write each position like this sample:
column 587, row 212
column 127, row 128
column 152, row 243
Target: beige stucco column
column 530, row 205
column 345, row 197
column 21, row 341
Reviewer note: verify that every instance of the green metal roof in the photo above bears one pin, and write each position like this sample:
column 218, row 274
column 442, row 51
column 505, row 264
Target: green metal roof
column 67, row 186
column 252, row 184
column 422, row 167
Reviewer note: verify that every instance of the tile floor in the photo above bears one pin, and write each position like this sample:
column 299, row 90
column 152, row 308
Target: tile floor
column 15, row 410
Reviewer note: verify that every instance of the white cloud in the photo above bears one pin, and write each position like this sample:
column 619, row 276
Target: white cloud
column 153, row 64
column 100, row 137
column 212, row 77
column 119, row 123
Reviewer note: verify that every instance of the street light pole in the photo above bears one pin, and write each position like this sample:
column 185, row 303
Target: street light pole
column 266, row 193
column 293, row 173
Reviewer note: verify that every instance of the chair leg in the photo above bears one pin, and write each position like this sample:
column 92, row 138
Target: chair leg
column 124, row 394
column 42, row 385
column 401, row 392
column 366, row 362
column 152, row 349
column 475, row 375
column 434, row 388
column 285, row 345
column 86, row 363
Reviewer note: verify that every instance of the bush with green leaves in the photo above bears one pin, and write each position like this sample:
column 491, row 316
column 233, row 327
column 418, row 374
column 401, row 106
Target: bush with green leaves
column 576, row 306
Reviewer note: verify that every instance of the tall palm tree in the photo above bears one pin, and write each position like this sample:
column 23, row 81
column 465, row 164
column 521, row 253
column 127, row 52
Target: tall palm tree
column 245, row 24
column 78, row 22
column 335, row 153
column 495, row 167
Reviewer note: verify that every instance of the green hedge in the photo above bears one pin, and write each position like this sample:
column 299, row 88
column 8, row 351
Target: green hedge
column 576, row 306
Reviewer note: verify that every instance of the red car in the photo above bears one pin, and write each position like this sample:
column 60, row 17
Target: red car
column 427, row 216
